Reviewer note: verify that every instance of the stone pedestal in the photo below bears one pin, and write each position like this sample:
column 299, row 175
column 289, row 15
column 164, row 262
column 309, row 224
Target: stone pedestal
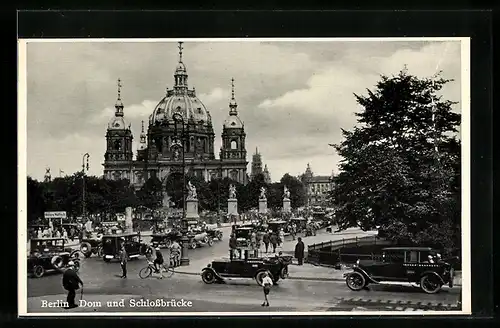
column 262, row 206
column 129, row 227
column 192, row 209
column 287, row 208
column 232, row 207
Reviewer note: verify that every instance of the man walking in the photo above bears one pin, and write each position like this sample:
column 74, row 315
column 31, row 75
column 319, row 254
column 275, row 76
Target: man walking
column 265, row 239
column 266, row 284
column 299, row 251
column 232, row 246
column 71, row 283
column 274, row 241
column 123, row 261
column 175, row 251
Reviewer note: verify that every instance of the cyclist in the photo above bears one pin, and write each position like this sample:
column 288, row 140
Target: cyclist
column 158, row 262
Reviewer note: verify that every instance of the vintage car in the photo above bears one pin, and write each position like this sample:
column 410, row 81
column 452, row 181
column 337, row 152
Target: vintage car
column 50, row 254
column 403, row 264
column 213, row 232
column 91, row 244
column 276, row 226
column 165, row 239
column 300, row 223
column 245, row 266
column 112, row 245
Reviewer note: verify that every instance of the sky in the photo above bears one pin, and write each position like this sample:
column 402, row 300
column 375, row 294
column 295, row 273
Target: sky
column 293, row 97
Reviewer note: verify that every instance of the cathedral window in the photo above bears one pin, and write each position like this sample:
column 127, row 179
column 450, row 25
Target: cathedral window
column 118, row 145
column 234, row 144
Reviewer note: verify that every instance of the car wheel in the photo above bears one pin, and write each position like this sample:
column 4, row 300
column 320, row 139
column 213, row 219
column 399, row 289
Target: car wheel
column 284, row 273
column 99, row 252
column 210, row 242
column 86, row 249
column 208, row 277
column 193, row 244
column 38, row 271
column 430, row 284
column 355, row 281
column 77, row 265
column 57, row 262
column 260, row 276
column 105, row 259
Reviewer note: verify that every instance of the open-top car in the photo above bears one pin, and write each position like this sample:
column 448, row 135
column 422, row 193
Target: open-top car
column 91, row 244
column 420, row 265
column 165, row 239
column 49, row 254
column 213, row 232
column 197, row 235
column 112, row 245
column 245, row 266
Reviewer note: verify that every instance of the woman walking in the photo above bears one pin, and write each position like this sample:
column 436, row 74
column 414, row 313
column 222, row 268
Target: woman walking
column 266, row 284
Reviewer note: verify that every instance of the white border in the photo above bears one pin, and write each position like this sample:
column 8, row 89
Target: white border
column 465, row 139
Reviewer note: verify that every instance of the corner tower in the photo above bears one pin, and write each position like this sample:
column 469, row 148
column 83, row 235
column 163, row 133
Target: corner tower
column 233, row 150
column 118, row 156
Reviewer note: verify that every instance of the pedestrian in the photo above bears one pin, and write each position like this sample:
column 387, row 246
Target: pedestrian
column 39, row 233
column 123, row 261
column 266, row 284
column 71, row 282
column 232, row 246
column 265, row 239
column 175, row 253
column 282, row 237
column 274, row 241
column 253, row 240
column 299, row 251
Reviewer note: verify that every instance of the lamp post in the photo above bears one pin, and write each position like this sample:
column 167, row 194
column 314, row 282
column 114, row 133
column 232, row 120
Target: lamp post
column 184, row 257
column 84, row 166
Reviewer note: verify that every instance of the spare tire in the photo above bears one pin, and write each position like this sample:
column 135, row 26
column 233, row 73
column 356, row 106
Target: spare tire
column 57, row 262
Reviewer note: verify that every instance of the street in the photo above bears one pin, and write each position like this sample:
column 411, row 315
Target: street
column 102, row 284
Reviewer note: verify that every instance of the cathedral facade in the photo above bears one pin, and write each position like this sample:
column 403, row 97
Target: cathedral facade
column 179, row 135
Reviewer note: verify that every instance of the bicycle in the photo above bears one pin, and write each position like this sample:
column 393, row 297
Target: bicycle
column 146, row 272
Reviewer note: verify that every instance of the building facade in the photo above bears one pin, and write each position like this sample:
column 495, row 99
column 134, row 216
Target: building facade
column 180, row 127
column 317, row 187
column 257, row 167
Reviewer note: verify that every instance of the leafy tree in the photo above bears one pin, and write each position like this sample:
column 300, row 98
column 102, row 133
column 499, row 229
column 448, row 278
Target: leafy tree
column 176, row 189
column 401, row 164
column 253, row 191
column 151, row 193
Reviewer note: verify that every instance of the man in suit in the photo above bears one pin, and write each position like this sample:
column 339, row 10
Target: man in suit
column 299, row 251
column 123, row 261
column 71, row 283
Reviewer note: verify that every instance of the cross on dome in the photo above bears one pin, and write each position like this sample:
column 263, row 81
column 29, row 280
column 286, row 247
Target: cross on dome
column 180, row 51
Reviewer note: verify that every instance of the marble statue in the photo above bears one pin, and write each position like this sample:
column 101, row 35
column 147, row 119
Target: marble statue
column 232, row 192
column 263, row 193
column 191, row 191
column 286, row 193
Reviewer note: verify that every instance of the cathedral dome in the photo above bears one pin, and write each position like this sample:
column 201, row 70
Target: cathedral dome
column 184, row 103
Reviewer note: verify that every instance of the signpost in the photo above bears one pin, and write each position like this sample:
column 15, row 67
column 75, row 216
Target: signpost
column 55, row 215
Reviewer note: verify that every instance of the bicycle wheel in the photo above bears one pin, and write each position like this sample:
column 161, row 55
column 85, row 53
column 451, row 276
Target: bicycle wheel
column 168, row 272
column 145, row 272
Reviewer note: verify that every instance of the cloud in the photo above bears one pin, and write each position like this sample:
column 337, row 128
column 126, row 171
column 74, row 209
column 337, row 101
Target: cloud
column 294, row 97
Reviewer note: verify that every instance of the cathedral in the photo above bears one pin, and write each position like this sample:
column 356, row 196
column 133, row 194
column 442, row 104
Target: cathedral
column 179, row 135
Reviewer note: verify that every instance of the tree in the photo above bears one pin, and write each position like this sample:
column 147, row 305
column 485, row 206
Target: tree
column 151, row 193
column 253, row 191
column 401, row 165
column 176, row 189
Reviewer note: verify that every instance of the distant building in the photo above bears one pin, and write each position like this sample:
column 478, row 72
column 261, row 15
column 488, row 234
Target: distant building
column 317, row 187
column 257, row 167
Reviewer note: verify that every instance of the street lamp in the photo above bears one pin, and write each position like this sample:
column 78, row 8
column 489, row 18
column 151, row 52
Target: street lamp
column 184, row 256
column 85, row 165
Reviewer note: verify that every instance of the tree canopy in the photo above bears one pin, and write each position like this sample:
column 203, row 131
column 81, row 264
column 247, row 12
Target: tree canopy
column 400, row 167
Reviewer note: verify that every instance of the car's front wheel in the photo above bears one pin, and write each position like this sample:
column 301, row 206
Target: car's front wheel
column 260, row 276
column 430, row 284
column 355, row 281
column 105, row 259
column 208, row 277
column 193, row 244
column 210, row 242
column 38, row 271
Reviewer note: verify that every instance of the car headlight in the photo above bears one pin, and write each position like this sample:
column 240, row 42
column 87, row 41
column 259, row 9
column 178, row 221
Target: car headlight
column 357, row 262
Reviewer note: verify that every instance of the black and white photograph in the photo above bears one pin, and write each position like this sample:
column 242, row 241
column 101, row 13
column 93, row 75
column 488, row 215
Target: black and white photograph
column 257, row 176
